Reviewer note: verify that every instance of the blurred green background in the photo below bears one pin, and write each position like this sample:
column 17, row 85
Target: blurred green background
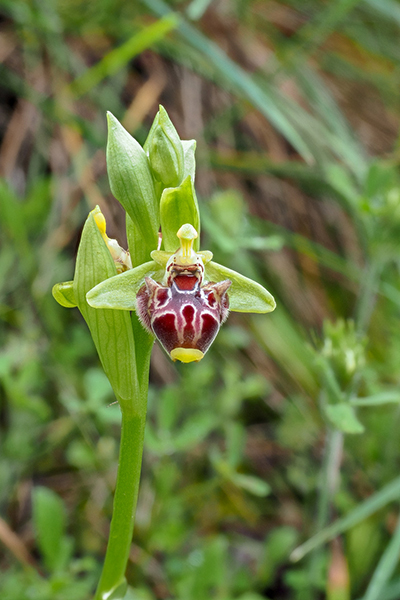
column 291, row 422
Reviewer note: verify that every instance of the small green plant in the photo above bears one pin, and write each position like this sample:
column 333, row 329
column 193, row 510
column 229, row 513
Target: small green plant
column 180, row 296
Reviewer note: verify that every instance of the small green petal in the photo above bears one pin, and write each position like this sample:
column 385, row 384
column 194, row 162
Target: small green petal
column 120, row 292
column 161, row 257
column 64, row 294
column 245, row 295
column 206, row 256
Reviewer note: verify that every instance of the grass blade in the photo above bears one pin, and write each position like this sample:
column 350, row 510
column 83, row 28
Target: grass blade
column 119, row 57
column 387, row 494
column 385, row 567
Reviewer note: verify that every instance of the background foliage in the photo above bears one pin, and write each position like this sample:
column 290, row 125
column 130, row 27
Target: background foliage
column 291, row 421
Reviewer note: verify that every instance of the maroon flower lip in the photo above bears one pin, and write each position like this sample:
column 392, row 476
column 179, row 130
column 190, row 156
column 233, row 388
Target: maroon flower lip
column 185, row 316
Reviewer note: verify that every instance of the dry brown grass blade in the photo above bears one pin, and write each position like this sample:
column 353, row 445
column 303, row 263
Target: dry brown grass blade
column 15, row 545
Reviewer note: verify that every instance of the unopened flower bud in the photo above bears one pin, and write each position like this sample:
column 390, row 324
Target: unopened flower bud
column 166, row 152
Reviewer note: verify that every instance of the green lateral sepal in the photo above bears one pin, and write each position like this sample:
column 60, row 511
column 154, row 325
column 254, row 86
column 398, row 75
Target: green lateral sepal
column 131, row 181
column 179, row 206
column 120, row 292
column 111, row 330
column 245, row 295
column 64, row 294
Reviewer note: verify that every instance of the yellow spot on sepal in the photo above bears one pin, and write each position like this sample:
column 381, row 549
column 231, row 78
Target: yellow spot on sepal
column 186, row 355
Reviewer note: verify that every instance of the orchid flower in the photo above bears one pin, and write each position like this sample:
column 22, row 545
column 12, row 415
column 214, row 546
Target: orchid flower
column 182, row 297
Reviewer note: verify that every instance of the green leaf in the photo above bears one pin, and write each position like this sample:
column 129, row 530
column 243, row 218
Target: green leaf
column 179, row 206
column 115, row 60
column 64, row 294
column 111, row 330
column 386, row 397
column 120, row 292
column 166, row 152
column 132, row 183
column 49, row 522
column 344, row 418
column 245, row 295
column 254, row 485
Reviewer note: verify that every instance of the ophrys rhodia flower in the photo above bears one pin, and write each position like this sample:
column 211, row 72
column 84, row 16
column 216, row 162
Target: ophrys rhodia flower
column 182, row 297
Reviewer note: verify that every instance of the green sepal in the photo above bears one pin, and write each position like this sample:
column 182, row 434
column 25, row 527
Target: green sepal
column 111, row 330
column 179, row 206
column 64, row 294
column 120, row 292
column 165, row 151
column 189, row 162
column 131, row 181
column 245, row 295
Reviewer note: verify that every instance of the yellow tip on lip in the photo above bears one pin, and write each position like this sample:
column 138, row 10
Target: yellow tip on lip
column 186, row 355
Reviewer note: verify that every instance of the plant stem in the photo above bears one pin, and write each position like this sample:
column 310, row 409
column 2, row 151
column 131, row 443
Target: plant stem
column 125, row 499
column 328, row 484
column 367, row 296
column 329, row 475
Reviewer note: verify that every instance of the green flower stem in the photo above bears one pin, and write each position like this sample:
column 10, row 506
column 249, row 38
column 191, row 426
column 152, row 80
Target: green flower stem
column 329, row 475
column 130, row 461
column 367, row 297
